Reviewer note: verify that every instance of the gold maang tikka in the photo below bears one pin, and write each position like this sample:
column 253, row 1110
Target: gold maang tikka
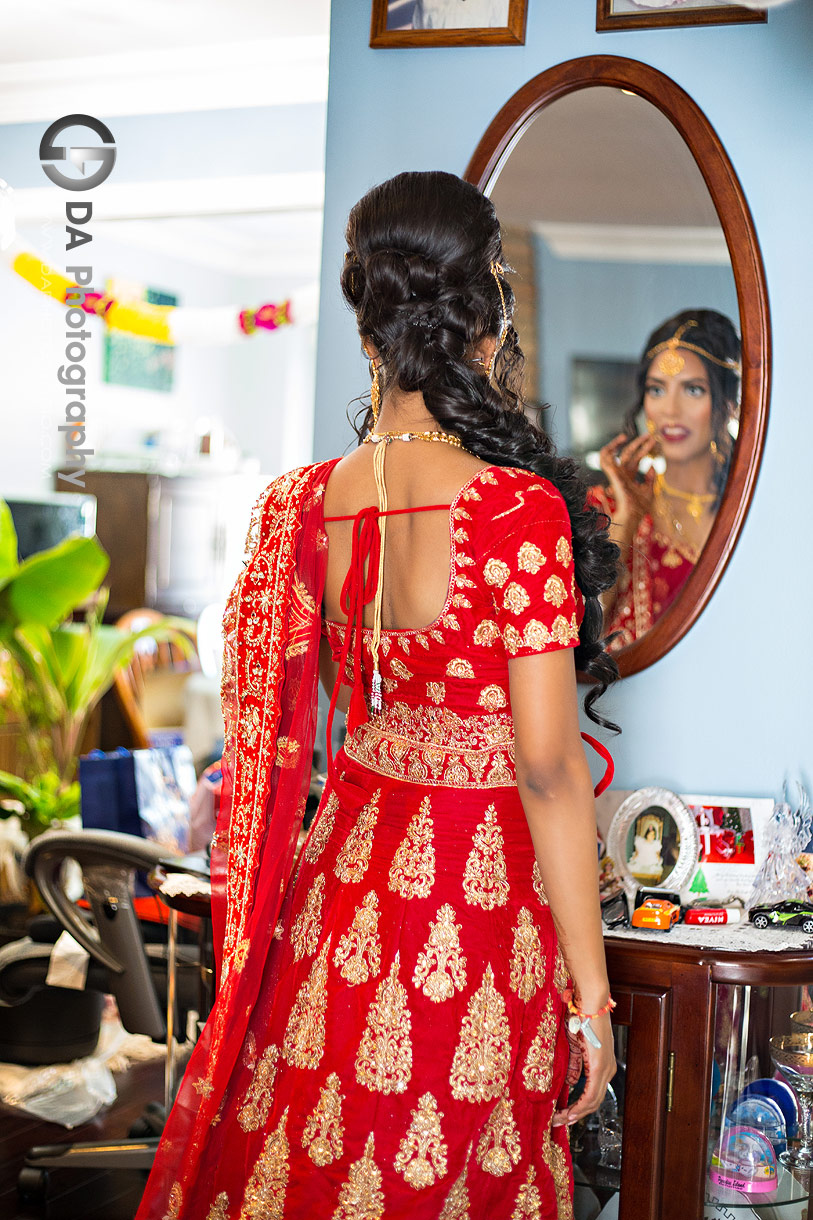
column 671, row 362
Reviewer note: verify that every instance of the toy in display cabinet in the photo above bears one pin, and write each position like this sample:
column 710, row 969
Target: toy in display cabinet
column 744, row 1161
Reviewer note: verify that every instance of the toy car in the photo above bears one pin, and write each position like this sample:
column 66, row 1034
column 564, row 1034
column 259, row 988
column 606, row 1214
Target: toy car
column 615, row 910
column 783, row 914
column 656, row 913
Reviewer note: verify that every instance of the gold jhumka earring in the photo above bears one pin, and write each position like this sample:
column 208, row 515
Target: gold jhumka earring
column 650, row 426
column 718, row 456
column 375, row 392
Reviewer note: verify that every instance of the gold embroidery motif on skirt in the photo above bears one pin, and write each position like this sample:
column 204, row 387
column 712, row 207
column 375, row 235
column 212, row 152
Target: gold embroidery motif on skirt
column 308, row 923
column 527, row 963
column 538, row 1069
column 441, row 965
column 265, row 1194
column 384, row 1059
column 352, row 860
column 556, row 1160
column 528, row 1205
column 361, row 1197
column 456, row 1206
column 561, row 974
column 482, row 1059
column 412, row 872
column 324, row 1132
column 254, row 1110
column 485, row 878
column 322, row 829
column 304, row 1042
column 175, row 1202
column 422, row 1154
column 499, row 1146
column 220, row 1208
column 539, row 888
column 358, row 953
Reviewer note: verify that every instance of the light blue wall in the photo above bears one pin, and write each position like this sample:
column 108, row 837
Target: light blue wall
column 189, row 144
column 604, row 309
column 728, row 710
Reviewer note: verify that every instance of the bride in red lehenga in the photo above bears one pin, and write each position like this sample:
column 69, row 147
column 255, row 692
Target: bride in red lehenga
column 390, row 1034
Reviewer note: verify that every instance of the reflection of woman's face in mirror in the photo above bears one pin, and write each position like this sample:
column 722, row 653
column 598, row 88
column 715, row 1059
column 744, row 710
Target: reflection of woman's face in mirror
column 664, row 487
column 677, row 409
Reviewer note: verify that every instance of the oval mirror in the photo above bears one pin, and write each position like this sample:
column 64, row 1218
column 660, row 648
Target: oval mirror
column 643, row 313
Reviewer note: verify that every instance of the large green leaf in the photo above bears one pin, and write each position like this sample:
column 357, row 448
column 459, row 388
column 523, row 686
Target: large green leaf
column 32, row 647
column 70, row 649
column 8, row 544
column 50, row 584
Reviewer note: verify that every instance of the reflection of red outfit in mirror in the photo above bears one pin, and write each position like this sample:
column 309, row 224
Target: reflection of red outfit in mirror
column 688, row 387
column 657, row 568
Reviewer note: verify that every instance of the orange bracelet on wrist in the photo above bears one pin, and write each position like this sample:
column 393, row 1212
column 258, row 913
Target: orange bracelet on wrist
column 567, row 996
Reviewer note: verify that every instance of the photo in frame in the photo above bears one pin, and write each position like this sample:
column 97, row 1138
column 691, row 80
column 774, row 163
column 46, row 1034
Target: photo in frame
column 448, row 23
column 657, row 14
column 653, row 841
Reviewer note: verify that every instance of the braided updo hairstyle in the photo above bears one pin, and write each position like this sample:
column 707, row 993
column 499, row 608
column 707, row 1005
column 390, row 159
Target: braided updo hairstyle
column 418, row 275
column 715, row 333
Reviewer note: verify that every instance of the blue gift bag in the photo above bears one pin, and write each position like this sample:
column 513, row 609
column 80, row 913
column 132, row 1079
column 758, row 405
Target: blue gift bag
column 108, row 792
column 140, row 792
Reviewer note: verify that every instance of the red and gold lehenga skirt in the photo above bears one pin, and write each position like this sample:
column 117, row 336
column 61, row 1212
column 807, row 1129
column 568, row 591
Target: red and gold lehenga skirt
column 409, row 1047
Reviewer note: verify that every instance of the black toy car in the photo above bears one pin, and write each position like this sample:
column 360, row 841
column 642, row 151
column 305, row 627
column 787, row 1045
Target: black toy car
column 615, row 910
column 783, row 914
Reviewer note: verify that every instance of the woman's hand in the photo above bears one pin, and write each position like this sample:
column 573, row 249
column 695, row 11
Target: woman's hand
column 619, row 461
column 599, row 1069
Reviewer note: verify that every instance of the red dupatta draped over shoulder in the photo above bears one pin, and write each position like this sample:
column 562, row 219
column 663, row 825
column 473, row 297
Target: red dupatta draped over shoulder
column 269, row 690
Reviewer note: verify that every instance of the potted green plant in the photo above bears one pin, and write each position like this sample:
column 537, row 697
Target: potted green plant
column 54, row 671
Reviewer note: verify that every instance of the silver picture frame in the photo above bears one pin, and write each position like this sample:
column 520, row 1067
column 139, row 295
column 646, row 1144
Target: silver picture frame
column 649, row 805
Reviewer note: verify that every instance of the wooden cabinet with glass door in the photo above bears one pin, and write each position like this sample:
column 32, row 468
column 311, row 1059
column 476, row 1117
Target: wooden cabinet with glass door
column 693, row 1028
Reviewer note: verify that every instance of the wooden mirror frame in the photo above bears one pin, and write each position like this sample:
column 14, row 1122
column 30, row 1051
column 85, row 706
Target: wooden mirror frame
column 752, row 294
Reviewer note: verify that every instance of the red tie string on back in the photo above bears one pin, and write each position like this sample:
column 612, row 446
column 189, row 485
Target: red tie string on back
column 358, row 591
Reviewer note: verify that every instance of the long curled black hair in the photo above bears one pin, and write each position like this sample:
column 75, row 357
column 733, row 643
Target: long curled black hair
column 418, row 275
column 715, row 334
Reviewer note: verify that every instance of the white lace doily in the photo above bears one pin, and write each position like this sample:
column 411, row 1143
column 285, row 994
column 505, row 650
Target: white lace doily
column 736, row 937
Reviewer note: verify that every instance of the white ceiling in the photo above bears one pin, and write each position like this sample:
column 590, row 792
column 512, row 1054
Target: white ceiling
column 602, row 158
column 156, row 57
column 67, row 29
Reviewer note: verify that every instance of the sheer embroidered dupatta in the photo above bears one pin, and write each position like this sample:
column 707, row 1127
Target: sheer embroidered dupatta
column 271, row 627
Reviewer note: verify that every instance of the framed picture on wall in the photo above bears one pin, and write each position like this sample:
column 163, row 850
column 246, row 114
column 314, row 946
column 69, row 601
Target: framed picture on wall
column 653, row 14
column 448, row 23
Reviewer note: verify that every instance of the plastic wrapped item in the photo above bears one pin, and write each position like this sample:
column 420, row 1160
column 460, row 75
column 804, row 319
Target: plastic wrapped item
column 68, row 1094
column 72, row 1093
column 788, row 833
